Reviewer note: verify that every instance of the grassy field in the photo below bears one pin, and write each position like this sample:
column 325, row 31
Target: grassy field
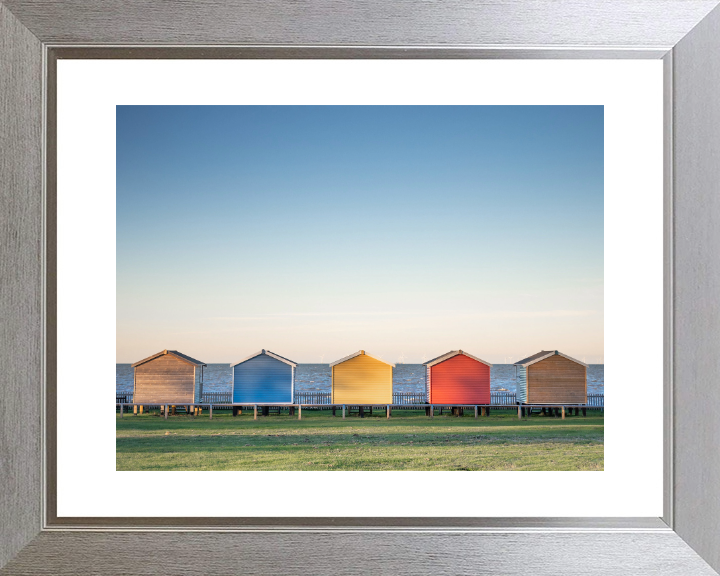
column 408, row 441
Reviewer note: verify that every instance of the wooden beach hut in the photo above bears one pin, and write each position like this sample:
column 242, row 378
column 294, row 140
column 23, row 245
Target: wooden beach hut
column 551, row 377
column 168, row 377
column 264, row 377
column 457, row 378
column 362, row 379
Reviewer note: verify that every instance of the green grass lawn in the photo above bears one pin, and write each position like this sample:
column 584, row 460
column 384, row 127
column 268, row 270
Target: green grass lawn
column 408, row 441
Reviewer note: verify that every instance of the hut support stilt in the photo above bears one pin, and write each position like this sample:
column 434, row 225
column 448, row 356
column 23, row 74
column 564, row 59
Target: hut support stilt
column 166, row 411
column 476, row 411
column 254, row 412
column 563, row 412
column 343, row 411
column 300, row 412
column 484, row 411
column 388, row 411
column 519, row 412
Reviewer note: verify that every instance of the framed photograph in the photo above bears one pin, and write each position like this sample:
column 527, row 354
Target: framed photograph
column 612, row 107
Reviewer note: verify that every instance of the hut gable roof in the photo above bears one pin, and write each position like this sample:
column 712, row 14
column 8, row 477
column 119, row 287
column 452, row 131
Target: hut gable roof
column 545, row 354
column 175, row 353
column 267, row 353
column 360, row 353
column 452, row 354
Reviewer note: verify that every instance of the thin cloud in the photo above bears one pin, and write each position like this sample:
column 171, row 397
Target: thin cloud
column 418, row 314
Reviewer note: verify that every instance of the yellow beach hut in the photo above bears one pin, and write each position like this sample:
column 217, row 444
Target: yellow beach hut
column 362, row 379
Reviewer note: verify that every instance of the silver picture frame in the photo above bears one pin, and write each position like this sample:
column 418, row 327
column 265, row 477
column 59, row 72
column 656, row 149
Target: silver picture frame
column 685, row 34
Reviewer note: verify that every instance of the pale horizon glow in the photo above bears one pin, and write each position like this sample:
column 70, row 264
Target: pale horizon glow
column 316, row 231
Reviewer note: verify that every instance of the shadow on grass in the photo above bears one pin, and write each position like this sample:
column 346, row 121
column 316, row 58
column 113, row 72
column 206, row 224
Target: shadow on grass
column 321, row 442
column 174, row 442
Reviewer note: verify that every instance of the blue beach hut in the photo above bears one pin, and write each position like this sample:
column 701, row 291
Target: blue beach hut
column 263, row 378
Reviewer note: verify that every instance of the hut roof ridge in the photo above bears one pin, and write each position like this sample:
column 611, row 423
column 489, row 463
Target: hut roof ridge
column 452, row 354
column 545, row 354
column 267, row 353
column 360, row 353
column 175, row 353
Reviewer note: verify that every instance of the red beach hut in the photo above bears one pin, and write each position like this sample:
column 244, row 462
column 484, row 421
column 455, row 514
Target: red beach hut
column 457, row 378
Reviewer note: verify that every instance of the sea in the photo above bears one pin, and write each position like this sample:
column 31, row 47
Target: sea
column 316, row 378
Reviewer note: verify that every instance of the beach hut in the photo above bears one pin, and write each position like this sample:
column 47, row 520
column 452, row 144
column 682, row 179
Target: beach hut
column 457, row 378
column 362, row 379
column 551, row 377
column 264, row 377
column 168, row 377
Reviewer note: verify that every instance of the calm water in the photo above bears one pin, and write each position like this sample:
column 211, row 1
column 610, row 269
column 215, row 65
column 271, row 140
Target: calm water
column 316, row 378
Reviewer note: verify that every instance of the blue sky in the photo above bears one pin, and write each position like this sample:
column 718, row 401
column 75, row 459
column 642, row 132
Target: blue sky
column 406, row 231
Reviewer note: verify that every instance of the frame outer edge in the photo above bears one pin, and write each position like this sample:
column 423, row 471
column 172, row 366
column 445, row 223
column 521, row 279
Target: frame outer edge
column 371, row 22
column 20, row 285
column 18, row 179
column 401, row 554
column 696, row 174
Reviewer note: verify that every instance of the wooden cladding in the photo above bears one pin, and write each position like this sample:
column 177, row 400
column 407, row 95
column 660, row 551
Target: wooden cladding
column 459, row 380
column 556, row 380
column 362, row 380
column 262, row 379
column 165, row 379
